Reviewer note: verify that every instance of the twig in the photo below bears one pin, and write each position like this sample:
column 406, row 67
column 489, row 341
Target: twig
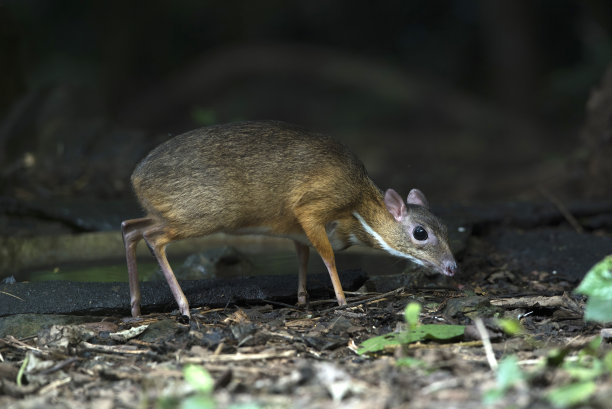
column 240, row 370
column 238, row 357
column 564, row 211
column 440, row 385
column 54, row 385
column 467, row 344
column 14, row 342
column 364, row 301
column 321, row 302
column 119, row 349
column 282, row 304
column 486, row 343
column 12, row 295
column 281, row 335
column 208, row 311
column 59, row 365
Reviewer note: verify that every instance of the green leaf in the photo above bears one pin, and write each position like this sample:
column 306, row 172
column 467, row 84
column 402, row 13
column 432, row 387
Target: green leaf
column 593, row 346
column 509, row 373
column 556, row 356
column 570, row 395
column 198, row 402
column 431, row 332
column 199, row 378
column 598, row 309
column 510, row 326
column 420, row 333
column 607, row 361
column 584, row 373
column 598, row 281
column 410, row 362
column 247, row 405
column 411, row 314
column 492, row 395
column 167, row 402
column 597, row 284
column 379, row 343
column 587, row 367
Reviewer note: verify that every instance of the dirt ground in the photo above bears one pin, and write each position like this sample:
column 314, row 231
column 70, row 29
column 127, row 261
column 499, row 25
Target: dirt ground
column 279, row 356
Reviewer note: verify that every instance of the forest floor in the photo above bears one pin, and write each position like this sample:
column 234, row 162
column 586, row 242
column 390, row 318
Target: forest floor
column 275, row 355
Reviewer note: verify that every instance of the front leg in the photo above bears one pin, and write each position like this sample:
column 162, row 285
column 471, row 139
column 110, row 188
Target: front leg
column 318, row 237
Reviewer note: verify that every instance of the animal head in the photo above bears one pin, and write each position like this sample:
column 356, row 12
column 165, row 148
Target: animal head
column 417, row 234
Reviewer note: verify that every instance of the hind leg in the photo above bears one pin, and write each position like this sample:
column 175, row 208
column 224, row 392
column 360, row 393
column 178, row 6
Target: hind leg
column 132, row 231
column 158, row 237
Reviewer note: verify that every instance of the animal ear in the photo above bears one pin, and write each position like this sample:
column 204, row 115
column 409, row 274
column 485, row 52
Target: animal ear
column 417, row 197
column 395, row 204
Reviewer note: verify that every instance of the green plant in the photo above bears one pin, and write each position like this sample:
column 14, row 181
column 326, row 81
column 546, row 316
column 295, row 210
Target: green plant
column 415, row 332
column 597, row 285
column 511, row 327
column 588, row 367
column 571, row 394
column 508, row 375
column 410, row 362
column 203, row 384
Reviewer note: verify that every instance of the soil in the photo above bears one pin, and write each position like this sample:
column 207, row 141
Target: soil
column 272, row 354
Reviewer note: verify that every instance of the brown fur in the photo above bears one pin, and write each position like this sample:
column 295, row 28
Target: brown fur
column 239, row 177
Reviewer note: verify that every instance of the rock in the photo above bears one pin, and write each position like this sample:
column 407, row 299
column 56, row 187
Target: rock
column 27, row 325
column 564, row 253
column 67, row 297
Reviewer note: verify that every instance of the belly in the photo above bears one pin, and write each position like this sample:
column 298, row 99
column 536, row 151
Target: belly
column 336, row 240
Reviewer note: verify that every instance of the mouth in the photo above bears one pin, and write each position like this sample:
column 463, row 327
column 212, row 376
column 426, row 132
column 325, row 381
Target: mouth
column 449, row 271
column 448, row 268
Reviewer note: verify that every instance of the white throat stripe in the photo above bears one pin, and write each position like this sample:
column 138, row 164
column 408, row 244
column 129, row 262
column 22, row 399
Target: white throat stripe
column 383, row 243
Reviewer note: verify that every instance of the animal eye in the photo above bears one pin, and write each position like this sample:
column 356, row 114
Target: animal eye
column 420, row 233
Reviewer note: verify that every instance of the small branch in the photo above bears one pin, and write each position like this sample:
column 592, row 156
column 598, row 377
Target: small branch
column 59, row 365
column 564, row 211
column 466, row 344
column 486, row 343
column 54, row 385
column 15, row 343
column 282, row 304
column 11, row 295
column 238, row 357
column 363, row 301
column 119, row 349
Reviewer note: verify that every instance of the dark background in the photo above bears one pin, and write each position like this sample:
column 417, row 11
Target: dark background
column 470, row 101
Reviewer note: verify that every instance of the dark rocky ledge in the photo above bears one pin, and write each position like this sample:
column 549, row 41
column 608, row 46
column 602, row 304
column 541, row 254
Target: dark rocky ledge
column 66, row 297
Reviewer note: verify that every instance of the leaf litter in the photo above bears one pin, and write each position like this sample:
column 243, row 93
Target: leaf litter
column 281, row 356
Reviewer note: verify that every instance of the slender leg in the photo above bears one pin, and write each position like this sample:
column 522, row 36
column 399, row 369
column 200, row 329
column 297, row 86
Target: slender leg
column 157, row 241
column 132, row 231
column 302, row 253
column 318, row 237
